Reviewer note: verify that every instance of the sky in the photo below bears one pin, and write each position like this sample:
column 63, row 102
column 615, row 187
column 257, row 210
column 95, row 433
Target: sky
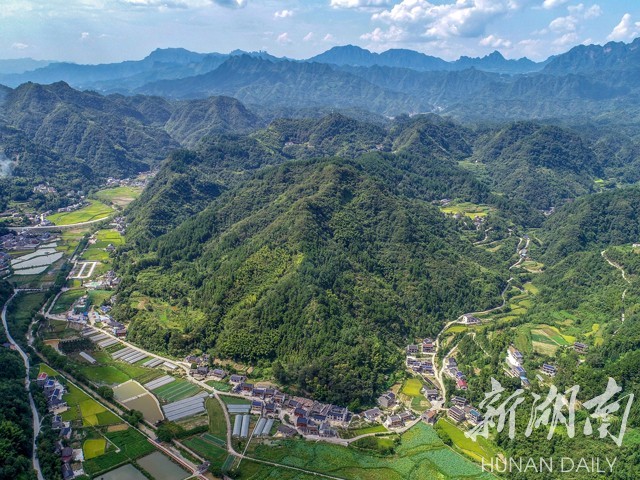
column 102, row 31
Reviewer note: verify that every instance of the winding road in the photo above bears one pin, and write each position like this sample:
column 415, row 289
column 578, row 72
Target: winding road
column 624, row 277
column 27, row 383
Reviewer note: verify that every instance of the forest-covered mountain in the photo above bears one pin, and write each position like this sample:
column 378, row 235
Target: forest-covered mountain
column 74, row 140
column 286, row 266
column 587, row 81
column 272, row 246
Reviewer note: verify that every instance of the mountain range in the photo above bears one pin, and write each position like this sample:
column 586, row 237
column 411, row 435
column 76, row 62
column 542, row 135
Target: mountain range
column 586, row 81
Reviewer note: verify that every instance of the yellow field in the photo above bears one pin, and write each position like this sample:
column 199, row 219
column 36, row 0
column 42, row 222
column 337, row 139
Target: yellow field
column 94, row 448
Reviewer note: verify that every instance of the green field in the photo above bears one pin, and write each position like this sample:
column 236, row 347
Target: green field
column 468, row 209
column 94, row 211
column 132, row 445
column 96, row 251
column 420, row 455
column 104, row 374
column 412, row 387
column 217, row 422
column 121, row 196
column 235, row 400
column 479, row 449
column 176, row 390
column 209, row 450
column 65, row 300
column 356, row 432
column 85, row 409
column 94, row 448
column 20, row 312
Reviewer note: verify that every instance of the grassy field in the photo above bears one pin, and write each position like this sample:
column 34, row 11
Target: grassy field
column 208, row 449
column 121, row 196
column 475, row 449
column 217, row 422
column 421, row 454
column 220, row 386
column 176, row 390
column 65, row 300
column 94, row 211
column 94, row 448
column 468, row 209
column 96, row 251
column 104, row 374
column 132, row 445
column 85, row 409
column 412, row 387
column 20, row 312
column 362, row 431
column 234, row 400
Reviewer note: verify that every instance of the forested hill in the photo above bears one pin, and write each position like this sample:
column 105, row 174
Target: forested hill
column 323, row 265
column 595, row 221
column 74, row 140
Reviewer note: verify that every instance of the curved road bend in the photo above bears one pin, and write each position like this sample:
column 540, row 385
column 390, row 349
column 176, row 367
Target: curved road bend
column 27, row 382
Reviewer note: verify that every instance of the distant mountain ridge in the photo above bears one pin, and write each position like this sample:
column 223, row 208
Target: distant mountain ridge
column 403, row 58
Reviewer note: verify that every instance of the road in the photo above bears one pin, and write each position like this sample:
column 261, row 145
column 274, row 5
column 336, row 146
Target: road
column 27, row 382
column 49, row 228
column 624, row 277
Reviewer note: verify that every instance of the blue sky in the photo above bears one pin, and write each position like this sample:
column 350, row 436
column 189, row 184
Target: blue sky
column 97, row 31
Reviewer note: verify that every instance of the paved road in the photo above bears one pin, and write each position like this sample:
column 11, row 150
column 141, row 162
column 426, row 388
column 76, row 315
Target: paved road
column 59, row 227
column 27, row 382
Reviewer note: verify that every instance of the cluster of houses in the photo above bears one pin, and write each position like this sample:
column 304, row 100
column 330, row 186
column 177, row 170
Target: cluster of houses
column 395, row 417
column 452, row 371
column 53, row 392
column 70, row 458
column 309, row 417
column 426, row 347
column 25, row 240
column 126, row 182
column 515, row 360
column 44, row 189
column 120, row 225
column 461, row 410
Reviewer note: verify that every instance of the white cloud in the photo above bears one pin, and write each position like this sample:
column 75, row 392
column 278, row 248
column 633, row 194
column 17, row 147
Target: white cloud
column 461, row 18
column 308, row 37
column 577, row 14
column 625, row 30
column 328, row 38
column 84, row 35
column 570, row 38
column 172, row 4
column 19, row 46
column 564, row 24
column 359, row 3
column 393, row 34
column 549, row 4
column 283, row 14
column 284, row 38
column 495, row 42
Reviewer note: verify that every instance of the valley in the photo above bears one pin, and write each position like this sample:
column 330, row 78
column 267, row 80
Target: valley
column 244, row 266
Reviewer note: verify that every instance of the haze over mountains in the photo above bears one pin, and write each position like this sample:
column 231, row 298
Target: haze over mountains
column 587, row 80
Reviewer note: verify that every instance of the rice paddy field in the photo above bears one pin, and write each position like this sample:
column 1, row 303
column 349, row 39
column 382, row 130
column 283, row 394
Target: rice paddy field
column 94, row 211
column 125, row 446
column 96, row 251
column 120, row 196
column 94, row 448
column 176, row 390
column 467, row 209
column 420, row 455
column 84, row 409
column 478, row 450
